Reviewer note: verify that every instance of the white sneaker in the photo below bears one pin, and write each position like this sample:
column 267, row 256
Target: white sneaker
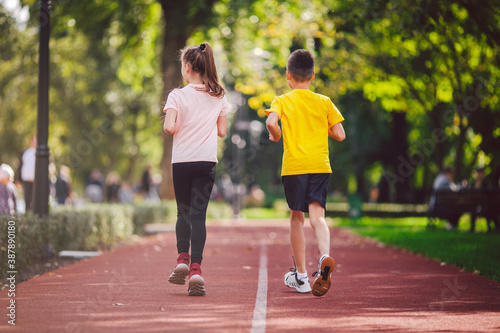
column 196, row 286
column 302, row 285
column 179, row 274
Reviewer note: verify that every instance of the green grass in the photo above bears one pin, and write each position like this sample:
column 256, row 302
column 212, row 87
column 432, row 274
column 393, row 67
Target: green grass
column 263, row 213
column 278, row 211
column 477, row 252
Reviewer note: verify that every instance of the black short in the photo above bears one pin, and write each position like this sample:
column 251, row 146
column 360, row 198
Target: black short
column 301, row 190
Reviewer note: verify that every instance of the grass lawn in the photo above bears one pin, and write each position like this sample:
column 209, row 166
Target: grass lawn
column 477, row 252
column 264, row 213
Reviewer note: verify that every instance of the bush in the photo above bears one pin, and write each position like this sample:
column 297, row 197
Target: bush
column 145, row 213
column 29, row 240
column 92, row 227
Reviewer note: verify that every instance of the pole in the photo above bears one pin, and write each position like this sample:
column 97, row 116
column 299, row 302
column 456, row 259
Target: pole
column 41, row 190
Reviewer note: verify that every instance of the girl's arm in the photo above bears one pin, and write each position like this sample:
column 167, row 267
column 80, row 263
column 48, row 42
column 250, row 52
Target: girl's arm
column 170, row 118
column 337, row 132
column 273, row 127
column 221, row 126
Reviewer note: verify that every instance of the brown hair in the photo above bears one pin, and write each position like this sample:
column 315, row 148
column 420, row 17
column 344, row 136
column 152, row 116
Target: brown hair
column 201, row 59
column 300, row 65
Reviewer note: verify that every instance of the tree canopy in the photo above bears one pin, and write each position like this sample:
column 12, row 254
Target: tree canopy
column 415, row 80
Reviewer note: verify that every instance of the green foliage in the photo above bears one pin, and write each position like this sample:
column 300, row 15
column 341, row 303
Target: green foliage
column 430, row 59
column 279, row 210
column 152, row 213
column 398, row 70
column 103, row 113
column 477, row 252
column 92, row 227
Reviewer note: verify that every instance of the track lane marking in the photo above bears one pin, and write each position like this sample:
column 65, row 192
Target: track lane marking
column 259, row 313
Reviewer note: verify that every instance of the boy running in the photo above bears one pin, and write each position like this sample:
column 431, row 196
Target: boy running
column 307, row 119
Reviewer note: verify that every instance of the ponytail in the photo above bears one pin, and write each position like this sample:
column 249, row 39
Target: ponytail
column 201, row 59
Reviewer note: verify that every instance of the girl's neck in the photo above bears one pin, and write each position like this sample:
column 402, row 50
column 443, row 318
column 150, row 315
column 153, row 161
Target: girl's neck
column 193, row 78
column 195, row 81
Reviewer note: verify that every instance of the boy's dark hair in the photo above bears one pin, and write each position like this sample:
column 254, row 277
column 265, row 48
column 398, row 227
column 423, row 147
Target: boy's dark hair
column 300, row 65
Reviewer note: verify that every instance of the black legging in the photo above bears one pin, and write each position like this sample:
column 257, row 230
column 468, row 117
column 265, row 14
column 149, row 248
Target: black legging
column 193, row 183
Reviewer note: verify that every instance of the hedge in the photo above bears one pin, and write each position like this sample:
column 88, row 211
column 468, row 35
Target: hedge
column 91, row 227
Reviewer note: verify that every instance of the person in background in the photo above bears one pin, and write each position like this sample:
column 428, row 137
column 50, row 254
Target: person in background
column 112, row 186
column 63, row 186
column 146, row 182
column 95, row 187
column 444, row 182
column 28, row 161
column 126, row 193
column 8, row 193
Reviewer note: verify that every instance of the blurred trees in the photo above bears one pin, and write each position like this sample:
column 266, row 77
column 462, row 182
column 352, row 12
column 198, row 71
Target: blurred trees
column 415, row 80
column 439, row 65
column 104, row 86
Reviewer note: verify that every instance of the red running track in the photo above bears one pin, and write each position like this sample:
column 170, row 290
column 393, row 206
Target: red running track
column 375, row 288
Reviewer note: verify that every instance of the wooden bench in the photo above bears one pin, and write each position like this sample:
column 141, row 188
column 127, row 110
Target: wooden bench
column 450, row 205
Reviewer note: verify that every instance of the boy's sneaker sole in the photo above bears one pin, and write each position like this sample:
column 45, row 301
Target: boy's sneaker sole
column 291, row 282
column 179, row 274
column 196, row 286
column 323, row 282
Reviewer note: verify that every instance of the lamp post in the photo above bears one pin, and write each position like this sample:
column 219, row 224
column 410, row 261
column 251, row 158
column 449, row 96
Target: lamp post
column 41, row 190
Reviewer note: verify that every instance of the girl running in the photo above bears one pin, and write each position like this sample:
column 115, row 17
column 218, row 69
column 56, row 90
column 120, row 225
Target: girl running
column 195, row 115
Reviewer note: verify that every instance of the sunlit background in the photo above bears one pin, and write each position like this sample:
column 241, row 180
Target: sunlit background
column 417, row 82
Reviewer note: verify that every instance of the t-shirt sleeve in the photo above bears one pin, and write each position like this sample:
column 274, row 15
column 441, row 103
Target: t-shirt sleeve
column 334, row 115
column 275, row 107
column 225, row 107
column 171, row 101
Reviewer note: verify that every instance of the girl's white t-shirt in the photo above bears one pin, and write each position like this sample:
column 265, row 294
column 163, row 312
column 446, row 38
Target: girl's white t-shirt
column 195, row 134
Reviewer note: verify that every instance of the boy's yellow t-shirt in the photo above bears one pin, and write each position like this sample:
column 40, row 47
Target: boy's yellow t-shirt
column 306, row 118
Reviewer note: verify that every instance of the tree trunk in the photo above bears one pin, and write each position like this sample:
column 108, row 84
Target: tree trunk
column 174, row 39
column 134, row 111
column 404, row 169
column 436, row 115
column 181, row 19
column 172, row 78
column 459, row 155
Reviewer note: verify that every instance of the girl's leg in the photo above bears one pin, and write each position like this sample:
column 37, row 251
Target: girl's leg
column 298, row 239
column 182, row 188
column 201, row 190
column 318, row 223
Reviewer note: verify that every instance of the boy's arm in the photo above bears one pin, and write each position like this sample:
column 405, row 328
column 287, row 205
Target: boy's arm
column 337, row 132
column 273, row 127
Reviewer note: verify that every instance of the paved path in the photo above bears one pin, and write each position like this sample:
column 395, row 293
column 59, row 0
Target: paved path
column 375, row 288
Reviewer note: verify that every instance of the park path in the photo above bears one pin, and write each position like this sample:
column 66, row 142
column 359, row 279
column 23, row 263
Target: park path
column 375, row 288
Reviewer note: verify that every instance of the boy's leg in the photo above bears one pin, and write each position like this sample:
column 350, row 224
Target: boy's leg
column 298, row 239
column 323, row 282
column 318, row 223
column 298, row 279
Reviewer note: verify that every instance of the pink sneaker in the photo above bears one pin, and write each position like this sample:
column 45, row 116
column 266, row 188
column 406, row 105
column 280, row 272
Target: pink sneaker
column 196, row 282
column 181, row 270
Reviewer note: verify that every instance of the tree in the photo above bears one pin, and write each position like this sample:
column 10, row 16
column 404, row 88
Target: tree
column 99, row 99
column 430, row 57
column 181, row 19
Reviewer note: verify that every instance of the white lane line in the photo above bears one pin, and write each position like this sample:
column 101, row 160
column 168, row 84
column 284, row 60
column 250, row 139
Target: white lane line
column 259, row 313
